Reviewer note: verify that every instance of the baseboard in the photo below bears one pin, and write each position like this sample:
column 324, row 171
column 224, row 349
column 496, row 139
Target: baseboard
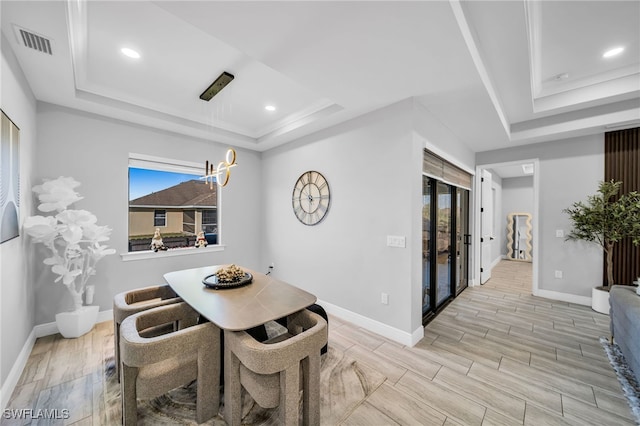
column 409, row 339
column 564, row 297
column 496, row 261
column 16, row 371
column 40, row 330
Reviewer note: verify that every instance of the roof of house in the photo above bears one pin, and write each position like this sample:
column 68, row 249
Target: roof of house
column 192, row 193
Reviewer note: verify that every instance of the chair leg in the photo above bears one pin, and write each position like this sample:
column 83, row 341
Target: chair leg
column 311, row 390
column 232, row 388
column 208, row 389
column 290, row 395
column 129, row 395
column 116, row 347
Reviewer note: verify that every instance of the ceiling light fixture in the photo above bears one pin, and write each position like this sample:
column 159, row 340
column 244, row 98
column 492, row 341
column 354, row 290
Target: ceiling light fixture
column 212, row 174
column 215, row 87
column 270, row 108
column 613, row 52
column 130, row 53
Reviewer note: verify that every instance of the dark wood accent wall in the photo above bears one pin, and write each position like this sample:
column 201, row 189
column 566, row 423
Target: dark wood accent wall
column 622, row 162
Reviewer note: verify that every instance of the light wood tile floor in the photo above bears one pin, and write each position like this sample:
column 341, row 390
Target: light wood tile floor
column 495, row 356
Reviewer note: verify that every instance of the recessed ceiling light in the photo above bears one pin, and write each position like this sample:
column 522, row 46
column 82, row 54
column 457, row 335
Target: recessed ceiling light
column 613, row 52
column 270, row 108
column 130, row 53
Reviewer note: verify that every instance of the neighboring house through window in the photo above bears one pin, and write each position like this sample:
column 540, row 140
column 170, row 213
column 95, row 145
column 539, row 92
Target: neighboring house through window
column 170, row 196
column 160, row 218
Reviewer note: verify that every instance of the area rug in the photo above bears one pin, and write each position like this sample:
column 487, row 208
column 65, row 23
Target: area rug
column 344, row 384
column 630, row 385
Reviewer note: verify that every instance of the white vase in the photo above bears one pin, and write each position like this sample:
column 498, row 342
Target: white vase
column 76, row 323
column 600, row 300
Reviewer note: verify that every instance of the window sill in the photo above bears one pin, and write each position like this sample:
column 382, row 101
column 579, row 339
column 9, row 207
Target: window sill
column 187, row 251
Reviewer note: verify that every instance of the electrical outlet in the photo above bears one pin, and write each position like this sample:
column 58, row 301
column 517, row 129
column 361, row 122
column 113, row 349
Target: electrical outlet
column 384, row 298
column 558, row 274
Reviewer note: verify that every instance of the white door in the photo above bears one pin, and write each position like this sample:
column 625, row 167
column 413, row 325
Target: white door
column 486, row 225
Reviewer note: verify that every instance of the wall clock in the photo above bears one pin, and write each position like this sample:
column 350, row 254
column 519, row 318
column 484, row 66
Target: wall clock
column 311, row 198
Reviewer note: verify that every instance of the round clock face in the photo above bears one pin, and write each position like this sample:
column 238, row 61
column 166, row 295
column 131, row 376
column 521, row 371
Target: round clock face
column 311, row 198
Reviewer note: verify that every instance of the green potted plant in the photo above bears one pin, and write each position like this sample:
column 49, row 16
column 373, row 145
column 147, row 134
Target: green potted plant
column 606, row 219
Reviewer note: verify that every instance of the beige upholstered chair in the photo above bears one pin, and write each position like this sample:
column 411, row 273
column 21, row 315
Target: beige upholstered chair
column 270, row 371
column 152, row 366
column 134, row 301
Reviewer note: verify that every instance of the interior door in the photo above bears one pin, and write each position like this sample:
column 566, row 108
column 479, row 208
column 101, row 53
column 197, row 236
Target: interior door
column 486, row 225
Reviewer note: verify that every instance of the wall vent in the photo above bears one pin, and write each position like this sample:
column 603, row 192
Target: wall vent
column 34, row 41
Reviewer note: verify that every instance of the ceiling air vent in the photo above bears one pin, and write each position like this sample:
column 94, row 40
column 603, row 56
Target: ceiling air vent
column 34, row 41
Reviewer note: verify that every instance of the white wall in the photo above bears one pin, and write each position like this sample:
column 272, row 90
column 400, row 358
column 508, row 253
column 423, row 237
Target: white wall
column 498, row 229
column 374, row 167
column 370, row 164
column 517, row 197
column 94, row 150
column 16, row 287
column 570, row 170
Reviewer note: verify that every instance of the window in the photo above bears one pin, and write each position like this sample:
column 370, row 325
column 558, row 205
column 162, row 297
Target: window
column 168, row 196
column 160, row 218
column 210, row 221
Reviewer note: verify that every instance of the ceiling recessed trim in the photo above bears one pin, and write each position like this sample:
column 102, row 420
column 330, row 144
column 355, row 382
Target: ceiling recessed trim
column 533, row 18
column 472, row 46
column 562, row 93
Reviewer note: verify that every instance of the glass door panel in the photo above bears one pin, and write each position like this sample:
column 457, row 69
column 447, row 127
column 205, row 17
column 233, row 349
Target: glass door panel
column 462, row 239
column 443, row 263
column 426, row 246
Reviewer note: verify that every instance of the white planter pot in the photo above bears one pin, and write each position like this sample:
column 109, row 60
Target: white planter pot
column 600, row 300
column 76, row 323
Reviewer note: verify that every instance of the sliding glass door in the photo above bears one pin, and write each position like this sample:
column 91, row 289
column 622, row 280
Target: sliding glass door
column 443, row 259
column 463, row 239
column 426, row 246
column 445, row 238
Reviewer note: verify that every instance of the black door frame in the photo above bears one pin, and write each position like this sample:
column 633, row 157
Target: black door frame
column 435, row 309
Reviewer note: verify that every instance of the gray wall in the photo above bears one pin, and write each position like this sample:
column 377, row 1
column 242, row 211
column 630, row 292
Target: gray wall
column 344, row 259
column 498, row 229
column 16, row 289
column 517, row 197
column 570, row 170
column 374, row 165
column 94, row 150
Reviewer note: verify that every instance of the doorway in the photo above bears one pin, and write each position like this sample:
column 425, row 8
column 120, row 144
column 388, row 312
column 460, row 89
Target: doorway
column 445, row 244
column 504, row 176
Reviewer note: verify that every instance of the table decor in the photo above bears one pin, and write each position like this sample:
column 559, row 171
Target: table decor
column 229, row 277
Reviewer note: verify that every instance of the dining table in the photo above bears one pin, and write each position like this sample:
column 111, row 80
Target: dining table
column 262, row 300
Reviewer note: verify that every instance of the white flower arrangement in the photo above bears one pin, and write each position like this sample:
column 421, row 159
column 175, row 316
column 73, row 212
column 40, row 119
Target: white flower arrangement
column 72, row 236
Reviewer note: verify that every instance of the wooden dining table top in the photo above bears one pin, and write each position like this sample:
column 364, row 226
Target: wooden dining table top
column 239, row 308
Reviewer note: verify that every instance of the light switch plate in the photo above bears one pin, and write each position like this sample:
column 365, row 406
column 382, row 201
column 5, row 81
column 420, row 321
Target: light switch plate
column 396, row 241
column 559, row 233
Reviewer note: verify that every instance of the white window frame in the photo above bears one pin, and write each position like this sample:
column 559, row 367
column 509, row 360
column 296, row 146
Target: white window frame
column 144, row 161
